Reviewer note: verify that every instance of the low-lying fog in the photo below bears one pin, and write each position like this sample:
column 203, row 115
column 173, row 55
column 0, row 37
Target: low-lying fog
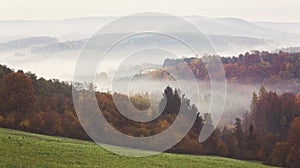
column 61, row 65
column 238, row 96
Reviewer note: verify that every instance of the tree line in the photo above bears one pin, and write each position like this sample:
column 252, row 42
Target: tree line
column 276, row 70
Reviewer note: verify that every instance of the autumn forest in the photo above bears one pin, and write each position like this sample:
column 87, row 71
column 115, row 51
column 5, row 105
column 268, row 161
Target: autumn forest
column 269, row 130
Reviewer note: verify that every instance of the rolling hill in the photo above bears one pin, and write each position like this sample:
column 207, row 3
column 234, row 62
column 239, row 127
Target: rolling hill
column 21, row 149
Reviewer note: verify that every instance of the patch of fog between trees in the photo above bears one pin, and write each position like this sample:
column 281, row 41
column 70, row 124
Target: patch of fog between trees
column 61, row 65
column 238, row 96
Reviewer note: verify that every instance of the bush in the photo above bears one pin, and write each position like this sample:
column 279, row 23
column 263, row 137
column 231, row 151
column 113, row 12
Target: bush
column 279, row 154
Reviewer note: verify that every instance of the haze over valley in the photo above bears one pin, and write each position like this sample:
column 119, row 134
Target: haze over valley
column 39, row 45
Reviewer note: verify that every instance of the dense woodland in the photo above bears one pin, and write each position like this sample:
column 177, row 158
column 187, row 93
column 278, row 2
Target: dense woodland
column 263, row 68
column 269, row 130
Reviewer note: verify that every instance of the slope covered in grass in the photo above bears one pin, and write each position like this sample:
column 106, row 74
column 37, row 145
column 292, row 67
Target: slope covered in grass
column 21, row 149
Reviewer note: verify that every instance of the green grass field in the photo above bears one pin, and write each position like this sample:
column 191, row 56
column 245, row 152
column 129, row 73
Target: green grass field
column 21, row 149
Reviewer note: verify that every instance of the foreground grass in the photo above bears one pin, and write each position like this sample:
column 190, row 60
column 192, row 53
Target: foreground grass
column 21, row 149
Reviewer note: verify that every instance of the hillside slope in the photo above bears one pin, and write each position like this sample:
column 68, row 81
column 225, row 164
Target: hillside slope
column 21, row 149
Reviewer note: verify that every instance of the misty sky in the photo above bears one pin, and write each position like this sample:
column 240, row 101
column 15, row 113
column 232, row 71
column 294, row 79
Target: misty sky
column 254, row 10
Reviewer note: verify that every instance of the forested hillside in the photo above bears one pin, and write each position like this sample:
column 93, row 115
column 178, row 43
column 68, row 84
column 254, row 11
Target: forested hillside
column 269, row 131
column 281, row 70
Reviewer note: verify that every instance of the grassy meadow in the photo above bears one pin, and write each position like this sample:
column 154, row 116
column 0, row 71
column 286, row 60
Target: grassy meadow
column 22, row 149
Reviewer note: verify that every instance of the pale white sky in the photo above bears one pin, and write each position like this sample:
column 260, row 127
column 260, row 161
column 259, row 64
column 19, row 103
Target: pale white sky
column 252, row 10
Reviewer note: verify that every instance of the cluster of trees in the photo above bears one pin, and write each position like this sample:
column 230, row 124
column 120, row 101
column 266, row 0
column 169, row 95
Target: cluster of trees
column 269, row 132
column 273, row 123
column 37, row 105
column 268, row 69
column 46, row 106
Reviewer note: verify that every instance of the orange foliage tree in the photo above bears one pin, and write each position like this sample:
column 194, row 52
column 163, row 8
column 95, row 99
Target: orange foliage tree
column 17, row 96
